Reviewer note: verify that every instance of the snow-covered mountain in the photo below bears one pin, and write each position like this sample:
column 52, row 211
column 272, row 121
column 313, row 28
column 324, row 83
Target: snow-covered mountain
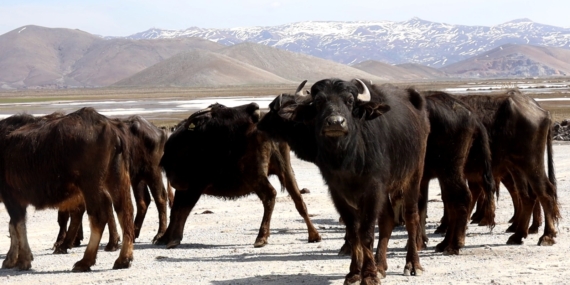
column 416, row 41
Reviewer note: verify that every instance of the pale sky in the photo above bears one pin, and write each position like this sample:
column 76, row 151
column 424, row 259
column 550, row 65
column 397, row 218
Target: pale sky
column 126, row 17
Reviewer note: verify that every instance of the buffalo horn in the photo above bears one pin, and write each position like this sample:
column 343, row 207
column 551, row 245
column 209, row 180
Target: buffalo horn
column 365, row 95
column 299, row 91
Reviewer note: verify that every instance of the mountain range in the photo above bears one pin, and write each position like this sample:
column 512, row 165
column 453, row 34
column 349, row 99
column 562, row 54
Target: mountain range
column 39, row 57
column 416, row 40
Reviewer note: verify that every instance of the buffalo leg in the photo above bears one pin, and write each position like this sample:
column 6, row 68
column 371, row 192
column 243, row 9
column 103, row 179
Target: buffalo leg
column 422, row 208
column 457, row 199
column 527, row 201
column 349, row 217
column 119, row 185
column 19, row 255
column 508, row 181
column 386, row 224
column 477, row 197
column 184, row 201
column 12, row 255
column 62, row 219
column 293, row 190
column 412, row 219
column 76, row 217
column 114, row 239
column 98, row 208
column 443, row 223
column 266, row 194
column 536, row 219
column 159, row 193
column 547, row 197
column 142, row 200
column 369, row 213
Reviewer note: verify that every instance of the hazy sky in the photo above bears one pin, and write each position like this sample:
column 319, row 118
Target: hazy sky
column 126, row 17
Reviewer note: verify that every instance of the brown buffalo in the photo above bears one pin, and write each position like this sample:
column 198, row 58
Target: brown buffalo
column 146, row 146
column 58, row 163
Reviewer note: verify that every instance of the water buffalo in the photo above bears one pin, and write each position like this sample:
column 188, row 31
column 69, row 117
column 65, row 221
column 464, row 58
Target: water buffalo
column 456, row 135
column 58, row 163
column 520, row 133
column 370, row 147
column 219, row 151
column 146, row 146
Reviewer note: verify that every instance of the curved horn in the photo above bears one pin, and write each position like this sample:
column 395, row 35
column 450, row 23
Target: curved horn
column 365, row 95
column 299, row 91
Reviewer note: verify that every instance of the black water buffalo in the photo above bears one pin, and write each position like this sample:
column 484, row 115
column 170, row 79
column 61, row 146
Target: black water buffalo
column 369, row 147
column 520, row 133
column 146, row 146
column 61, row 162
column 219, row 151
column 456, row 134
column 450, row 121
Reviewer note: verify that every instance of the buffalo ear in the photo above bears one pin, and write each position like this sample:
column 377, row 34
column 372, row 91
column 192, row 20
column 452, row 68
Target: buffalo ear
column 371, row 110
column 303, row 113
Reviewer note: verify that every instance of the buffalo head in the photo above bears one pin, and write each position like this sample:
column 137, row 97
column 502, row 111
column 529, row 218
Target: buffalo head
column 339, row 105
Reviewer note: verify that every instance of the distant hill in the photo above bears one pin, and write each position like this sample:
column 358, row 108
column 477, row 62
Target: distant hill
column 294, row 66
column 38, row 57
column 514, row 61
column 424, row 71
column 405, row 72
column 201, row 68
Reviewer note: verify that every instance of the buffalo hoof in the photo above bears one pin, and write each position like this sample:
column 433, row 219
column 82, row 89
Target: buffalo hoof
column 81, row 266
column 515, row 240
column 122, row 263
column 546, row 241
column 484, row 222
column 352, row 280
column 382, row 272
column 314, row 237
column 511, row 229
column 157, row 237
column 77, row 242
column 60, row 250
column 173, row 244
column 261, row 242
column 137, row 233
column 411, row 270
column 57, row 244
column 440, row 247
column 7, row 264
column 440, row 230
column 345, row 250
column 24, row 264
column 450, row 251
column 163, row 240
column 371, row 280
column 112, row 247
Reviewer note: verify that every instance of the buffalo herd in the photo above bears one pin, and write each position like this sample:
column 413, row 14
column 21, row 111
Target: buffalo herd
column 376, row 147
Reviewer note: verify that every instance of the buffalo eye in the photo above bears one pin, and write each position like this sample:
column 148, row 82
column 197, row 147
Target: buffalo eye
column 350, row 101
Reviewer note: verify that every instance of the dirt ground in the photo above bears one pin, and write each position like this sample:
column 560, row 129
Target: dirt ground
column 218, row 248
